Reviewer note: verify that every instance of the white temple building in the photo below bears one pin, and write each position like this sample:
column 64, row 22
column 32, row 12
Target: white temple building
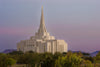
column 42, row 41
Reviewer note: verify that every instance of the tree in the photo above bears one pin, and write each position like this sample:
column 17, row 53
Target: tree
column 89, row 58
column 56, row 55
column 30, row 52
column 80, row 54
column 3, row 58
column 30, row 59
column 10, row 62
column 88, row 63
column 47, row 60
column 16, row 53
column 70, row 60
column 97, row 58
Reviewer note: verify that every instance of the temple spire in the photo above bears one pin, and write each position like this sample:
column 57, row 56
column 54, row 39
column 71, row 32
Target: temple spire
column 42, row 28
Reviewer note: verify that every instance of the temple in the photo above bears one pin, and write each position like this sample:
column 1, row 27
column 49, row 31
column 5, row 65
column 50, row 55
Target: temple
column 42, row 41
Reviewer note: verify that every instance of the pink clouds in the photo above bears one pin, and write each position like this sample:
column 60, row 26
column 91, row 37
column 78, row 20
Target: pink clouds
column 13, row 31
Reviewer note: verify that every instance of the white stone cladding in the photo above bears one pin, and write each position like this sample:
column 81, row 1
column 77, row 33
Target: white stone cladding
column 42, row 41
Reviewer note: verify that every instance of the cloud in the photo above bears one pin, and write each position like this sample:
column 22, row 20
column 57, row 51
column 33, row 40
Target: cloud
column 13, row 31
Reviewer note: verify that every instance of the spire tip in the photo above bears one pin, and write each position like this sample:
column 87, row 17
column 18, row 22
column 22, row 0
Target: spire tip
column 42, row 7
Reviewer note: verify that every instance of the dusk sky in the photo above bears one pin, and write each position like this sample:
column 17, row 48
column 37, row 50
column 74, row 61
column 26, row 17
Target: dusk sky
column 75, row 21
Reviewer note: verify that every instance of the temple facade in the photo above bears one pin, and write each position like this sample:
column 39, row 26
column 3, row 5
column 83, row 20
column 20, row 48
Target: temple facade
column 42, row 41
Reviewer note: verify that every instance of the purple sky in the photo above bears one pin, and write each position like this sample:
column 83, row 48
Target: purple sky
column 75, row 21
